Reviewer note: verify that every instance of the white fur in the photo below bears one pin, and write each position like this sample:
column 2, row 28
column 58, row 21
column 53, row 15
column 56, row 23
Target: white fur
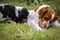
column 16, row 10
column 42, row 7
column 33, row 20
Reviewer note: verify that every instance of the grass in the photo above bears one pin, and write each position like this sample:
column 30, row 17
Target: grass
column 24, row 32
column 10, row 31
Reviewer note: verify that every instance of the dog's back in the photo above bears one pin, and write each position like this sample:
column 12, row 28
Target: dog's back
column 16, row 13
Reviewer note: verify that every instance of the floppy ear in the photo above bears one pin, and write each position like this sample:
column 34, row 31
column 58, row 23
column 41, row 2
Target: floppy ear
column 42, row 12
column 55, row 18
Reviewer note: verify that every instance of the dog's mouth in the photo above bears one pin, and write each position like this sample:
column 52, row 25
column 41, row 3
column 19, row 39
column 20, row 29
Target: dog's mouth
column 44, row 24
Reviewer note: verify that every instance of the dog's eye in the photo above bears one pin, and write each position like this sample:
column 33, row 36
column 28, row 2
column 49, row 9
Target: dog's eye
column 46, row 18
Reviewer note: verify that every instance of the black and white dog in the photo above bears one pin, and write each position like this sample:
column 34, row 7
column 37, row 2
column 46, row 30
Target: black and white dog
column 17, row 14
column 14, row 12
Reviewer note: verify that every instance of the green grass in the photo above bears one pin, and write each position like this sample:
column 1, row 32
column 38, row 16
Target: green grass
column 24, row 32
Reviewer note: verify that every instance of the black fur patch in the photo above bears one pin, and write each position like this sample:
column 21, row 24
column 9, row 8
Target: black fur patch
column 10, row 12
column 1, row 9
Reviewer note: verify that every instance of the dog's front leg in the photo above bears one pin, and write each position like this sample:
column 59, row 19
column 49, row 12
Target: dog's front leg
column 34, row 24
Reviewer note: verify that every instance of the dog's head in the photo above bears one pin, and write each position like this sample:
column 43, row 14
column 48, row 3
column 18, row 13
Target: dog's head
column 46, row 15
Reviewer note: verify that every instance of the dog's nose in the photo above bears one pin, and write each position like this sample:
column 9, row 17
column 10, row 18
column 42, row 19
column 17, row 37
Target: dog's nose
column 43, row 25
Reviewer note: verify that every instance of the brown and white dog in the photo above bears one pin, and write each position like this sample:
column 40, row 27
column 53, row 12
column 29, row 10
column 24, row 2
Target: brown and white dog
column 47, row 16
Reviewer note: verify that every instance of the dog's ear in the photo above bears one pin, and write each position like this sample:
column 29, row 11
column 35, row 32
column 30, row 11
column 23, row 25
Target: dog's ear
column 55, row 18
column 42, row 12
